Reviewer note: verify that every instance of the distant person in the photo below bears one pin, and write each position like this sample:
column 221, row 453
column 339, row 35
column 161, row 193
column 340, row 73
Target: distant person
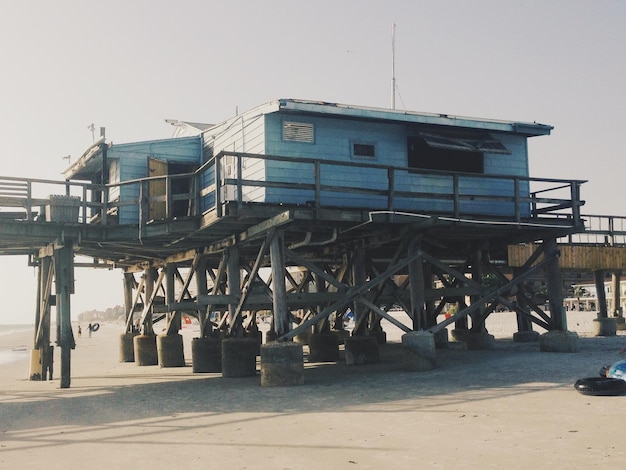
column 90, row 328
column 80, row 331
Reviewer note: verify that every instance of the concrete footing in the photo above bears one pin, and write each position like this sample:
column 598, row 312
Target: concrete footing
column 559, row 341
column 206, row 354
column 341, row 335
column 170, row 350
column 441, row 339
column 257, row 335
column 418, row 349
column 361, row 350
column 323, row 347
column 282, row 364
column 604, row 327
column 459, row 334
column 239, row 357
column 270, row 335
column 304, row 337
column 145, row 349
column 380, row 335
column 479, row 341
column 525, row 337
column 127, row 348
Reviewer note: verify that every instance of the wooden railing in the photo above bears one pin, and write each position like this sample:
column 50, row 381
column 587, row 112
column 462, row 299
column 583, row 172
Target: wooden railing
column 606, row 230
column 531, row 198
column 210, row 186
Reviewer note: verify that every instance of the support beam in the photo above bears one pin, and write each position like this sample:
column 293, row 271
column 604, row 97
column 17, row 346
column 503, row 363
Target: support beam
column 41, row 369
column 478, row 326
column 233, row 288
column 416, row 285
column 282, row 322
column 603, row 311
column 64, row 282
column 152, row 281
column 202, row 289
column 129, row 285
column 555, row 285
column 359, row 277
column 615, row 288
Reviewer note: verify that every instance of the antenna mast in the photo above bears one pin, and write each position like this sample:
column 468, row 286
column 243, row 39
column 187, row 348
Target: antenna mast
column 393, row 66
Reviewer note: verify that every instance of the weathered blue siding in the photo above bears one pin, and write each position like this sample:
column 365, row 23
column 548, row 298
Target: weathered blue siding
column 246, row 134
column 333, row 139
column 132, row 163
column 335, row 129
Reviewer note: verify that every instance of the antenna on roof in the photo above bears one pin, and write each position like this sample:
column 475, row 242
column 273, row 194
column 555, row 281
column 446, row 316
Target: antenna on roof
column 393, row 66
column 92, row 128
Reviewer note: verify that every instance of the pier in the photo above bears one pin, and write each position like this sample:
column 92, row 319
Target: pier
column 308, row 241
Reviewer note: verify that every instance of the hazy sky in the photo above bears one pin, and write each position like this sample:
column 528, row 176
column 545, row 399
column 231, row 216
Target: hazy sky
column 128, row 65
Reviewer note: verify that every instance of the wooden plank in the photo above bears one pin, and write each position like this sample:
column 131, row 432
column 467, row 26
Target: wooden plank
column 582, row 257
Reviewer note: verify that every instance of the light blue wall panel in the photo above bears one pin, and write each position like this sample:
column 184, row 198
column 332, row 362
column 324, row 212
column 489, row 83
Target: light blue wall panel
column 246, row 134
column 333, row 139
column 133, row 163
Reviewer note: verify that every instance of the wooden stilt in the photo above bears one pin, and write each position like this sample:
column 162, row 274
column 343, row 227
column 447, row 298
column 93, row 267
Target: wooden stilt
column 603, row 311
column 555, row 285
column 615, row 288
column 233, row 288
column 478, row 326
column 359, row 277
column 129, row 285
column 64, row 281
column 282, row 323
column 203, row 290
column 416, row 285
column 151, row 276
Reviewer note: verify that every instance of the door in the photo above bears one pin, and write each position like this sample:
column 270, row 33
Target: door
column 157, row 189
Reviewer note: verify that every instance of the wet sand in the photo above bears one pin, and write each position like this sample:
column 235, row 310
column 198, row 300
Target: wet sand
column 509, row 407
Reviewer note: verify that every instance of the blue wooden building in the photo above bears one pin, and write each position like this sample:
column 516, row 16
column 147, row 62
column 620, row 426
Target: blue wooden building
column 364, row 156
column 117, row 165
column 325, row 155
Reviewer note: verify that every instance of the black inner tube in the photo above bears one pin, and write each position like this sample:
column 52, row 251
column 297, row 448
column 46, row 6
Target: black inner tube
column 601, row 386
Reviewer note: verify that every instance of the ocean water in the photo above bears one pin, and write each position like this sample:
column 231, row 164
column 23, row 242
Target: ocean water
column 14, row 352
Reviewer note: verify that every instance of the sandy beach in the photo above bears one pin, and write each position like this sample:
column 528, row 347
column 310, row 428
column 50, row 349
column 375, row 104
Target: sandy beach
column 509, row 407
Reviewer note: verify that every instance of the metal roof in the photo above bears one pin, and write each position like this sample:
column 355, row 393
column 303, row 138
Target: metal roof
column 381, row 114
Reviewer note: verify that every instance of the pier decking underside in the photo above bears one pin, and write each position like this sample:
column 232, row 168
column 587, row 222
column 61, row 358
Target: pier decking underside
column 331, row 260
column 322, row 237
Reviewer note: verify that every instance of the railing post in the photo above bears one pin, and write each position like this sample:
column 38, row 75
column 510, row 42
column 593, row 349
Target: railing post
column 239, row 183
column 391, row 183
column 218, row 184
column 518, row 216
column 195, row 195
column 29, row 204
column 169, row 207
column 104, row 205
column 576, row 202
column 143, row 206
column 455, row 190
column 318, row 185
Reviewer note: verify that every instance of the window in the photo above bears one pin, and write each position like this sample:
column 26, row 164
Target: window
column 424, row 157
column 363, row 150
column 298, row 132
column 457, row 150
